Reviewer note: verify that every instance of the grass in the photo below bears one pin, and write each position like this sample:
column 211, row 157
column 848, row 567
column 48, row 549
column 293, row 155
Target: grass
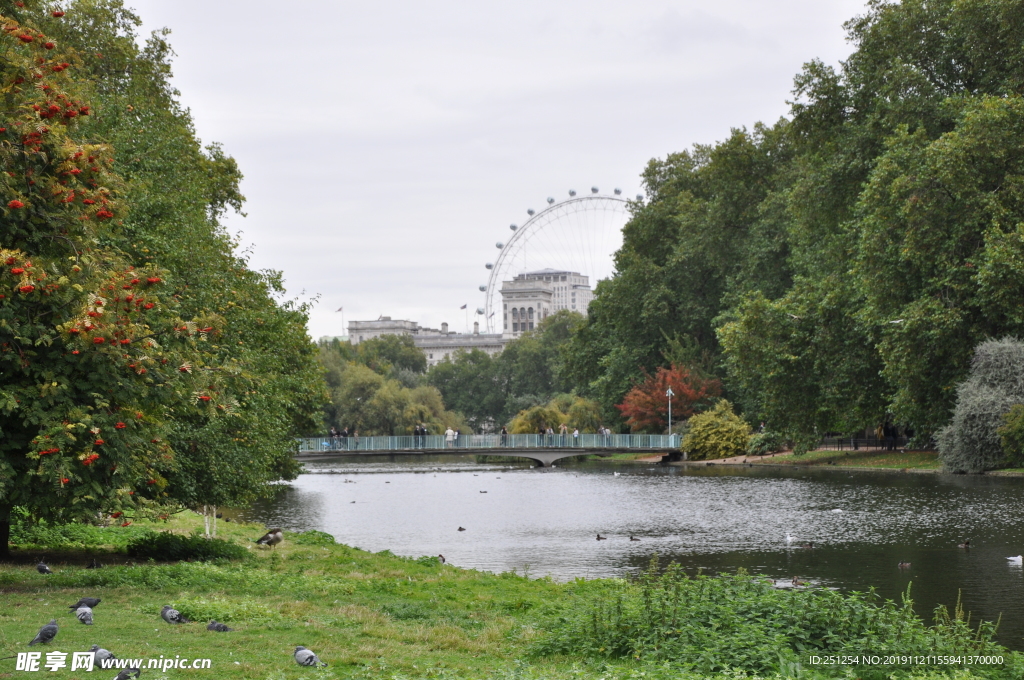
column 368, row 615
column 884, row 460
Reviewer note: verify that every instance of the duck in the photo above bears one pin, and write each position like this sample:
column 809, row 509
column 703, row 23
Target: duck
column 1018, row 559
column 797, row 582
column 271, row 538
column 601, row 538
column 462, row 528
column 441, row 559
column 633, row 538
column 905, row 565
column 808, row 546
column 966, row 545
column 789, row 539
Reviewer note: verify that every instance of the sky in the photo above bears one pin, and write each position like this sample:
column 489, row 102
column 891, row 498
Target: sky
column 387, row 146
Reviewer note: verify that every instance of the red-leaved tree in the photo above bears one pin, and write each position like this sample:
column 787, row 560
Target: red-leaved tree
column 645, row 407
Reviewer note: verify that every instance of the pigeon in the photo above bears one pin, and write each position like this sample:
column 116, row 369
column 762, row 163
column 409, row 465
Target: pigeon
column 95, row 565
column 271, row 538
column 42, row 568
column 305, row 657
column 127, row 673
column 46, row 633
column 99, row 655
column 172, row 615
column 218, row 627
column 84, row 615
column 89, row 602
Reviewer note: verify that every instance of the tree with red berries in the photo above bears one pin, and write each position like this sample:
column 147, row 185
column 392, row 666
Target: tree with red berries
column 92, row 350
column 645, row 407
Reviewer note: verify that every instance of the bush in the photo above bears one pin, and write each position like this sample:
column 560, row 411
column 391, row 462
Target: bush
column 1011, row 435
column 168, row 547
column 313, row 537
column 972, row 441
column 710, row 625
column 74, row 536
column 717, row 433
column 763, row 443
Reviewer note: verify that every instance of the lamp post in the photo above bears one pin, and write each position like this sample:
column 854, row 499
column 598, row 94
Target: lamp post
column 669, row 393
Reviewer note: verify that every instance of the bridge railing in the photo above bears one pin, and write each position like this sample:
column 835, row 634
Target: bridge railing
column 438, row 442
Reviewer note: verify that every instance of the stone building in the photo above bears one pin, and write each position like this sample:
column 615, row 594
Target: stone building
column 435, row 343
column 531, row 297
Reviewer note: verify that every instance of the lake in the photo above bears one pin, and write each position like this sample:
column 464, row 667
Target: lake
column 544, row 522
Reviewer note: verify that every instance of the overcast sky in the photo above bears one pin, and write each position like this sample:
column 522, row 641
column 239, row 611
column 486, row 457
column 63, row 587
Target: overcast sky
column 386, row 146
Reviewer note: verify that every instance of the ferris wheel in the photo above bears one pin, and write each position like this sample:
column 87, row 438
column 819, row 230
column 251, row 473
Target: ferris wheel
column 579, row 234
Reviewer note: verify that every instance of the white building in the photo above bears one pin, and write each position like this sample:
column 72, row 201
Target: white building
column 531, row 297
column 436, row 344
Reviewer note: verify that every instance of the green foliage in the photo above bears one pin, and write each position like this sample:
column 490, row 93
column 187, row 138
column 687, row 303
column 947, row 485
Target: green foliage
column 537, row 419
column 710, row 625
column 75, row 535
column 389, row 353
column 168, row 547
column 225, row 610
column 313, row 537
column 840, row 265
column 366, row 401
column 973, row 441
column 491, row 391
column 1011, row 435
column 763, row 443
column 716, row 433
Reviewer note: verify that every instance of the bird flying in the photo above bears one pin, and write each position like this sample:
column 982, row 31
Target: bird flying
column 271, row 538
column 46, row 633
column 172, row 615
column 305, row 657
column 89, row 602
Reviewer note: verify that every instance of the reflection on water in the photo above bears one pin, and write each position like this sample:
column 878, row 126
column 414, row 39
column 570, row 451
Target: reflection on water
column 716, row 519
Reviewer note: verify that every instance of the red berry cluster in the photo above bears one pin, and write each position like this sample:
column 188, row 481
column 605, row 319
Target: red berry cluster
column 90, row 459
column 49, row 451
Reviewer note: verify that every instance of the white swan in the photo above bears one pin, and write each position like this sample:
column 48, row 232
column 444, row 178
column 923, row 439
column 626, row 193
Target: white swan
column 789, row 539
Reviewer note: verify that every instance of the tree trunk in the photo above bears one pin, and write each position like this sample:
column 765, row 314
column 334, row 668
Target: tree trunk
column 206, row 521
column 5, row 530
column 214, row 521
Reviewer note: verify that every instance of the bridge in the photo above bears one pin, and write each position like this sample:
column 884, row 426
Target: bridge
column 540, row 448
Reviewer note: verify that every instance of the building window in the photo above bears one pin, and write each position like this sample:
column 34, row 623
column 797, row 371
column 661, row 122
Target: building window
column 515, row 327
column 515, row 314
column 531, row 325
column 430, row 356
column 522, row 313
column 530, row 313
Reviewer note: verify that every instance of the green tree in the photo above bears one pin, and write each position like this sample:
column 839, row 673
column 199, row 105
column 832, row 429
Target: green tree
column 92, row 348
column 178, row 190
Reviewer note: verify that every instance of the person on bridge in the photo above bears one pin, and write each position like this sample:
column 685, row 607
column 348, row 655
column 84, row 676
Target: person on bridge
column 344, row 438
column 563, row 431
column 504, row 436
column 449, row 438
column 551, row 436
column 575, row 436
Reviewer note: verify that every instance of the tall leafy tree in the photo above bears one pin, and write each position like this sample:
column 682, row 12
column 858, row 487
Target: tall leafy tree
column 92, row 348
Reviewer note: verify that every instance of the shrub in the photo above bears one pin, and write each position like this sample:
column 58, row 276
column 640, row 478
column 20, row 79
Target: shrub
column 1011, row 435
column 972, row 442
column 763, row 443
column 75, row 535
column 717, row 433
column 711, row 625
column 313, row 537
column 167, row 547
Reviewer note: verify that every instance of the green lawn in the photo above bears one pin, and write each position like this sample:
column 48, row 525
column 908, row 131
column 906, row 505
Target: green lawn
column 886, row 460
